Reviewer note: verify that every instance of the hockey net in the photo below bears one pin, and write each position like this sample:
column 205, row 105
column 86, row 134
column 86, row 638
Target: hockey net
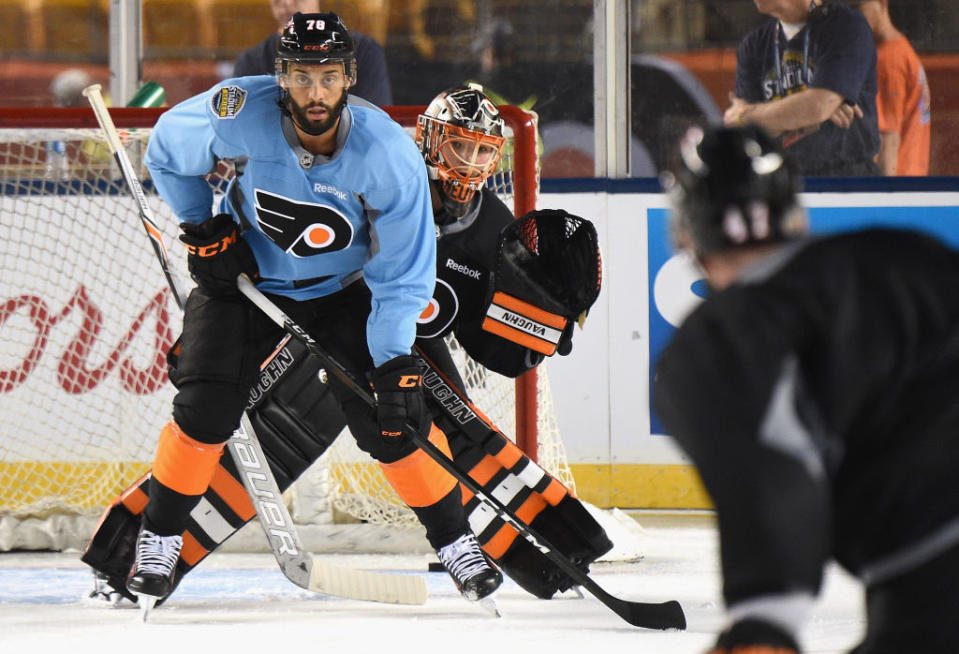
column 86, row 319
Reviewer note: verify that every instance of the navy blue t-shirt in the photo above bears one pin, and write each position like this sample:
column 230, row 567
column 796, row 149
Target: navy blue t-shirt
column 835, row 51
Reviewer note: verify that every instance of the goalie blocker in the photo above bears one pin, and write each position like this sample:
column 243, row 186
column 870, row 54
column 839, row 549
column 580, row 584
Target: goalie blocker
column 285, row 417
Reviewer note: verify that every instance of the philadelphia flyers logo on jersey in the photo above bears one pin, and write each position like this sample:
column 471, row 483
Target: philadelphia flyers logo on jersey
column 303, row 229
column 439, row 313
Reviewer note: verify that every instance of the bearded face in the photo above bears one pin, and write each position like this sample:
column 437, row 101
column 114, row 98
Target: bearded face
column 316, row 95
column 315, row 117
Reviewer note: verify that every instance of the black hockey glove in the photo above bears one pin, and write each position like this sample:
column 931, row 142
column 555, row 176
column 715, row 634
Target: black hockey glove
column 217, row 254
column 398, row 385
column 755, row 637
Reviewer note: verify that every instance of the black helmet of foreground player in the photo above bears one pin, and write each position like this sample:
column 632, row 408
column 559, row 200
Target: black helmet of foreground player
column 461, row 138
column 314, row 39
column 732, row 187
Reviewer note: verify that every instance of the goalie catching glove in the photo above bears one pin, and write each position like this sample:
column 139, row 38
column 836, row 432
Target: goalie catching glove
column 398, row 385
column 217, row 254
column 548, row 274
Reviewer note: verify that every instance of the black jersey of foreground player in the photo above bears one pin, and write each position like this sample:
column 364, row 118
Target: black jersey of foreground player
column 816, row 395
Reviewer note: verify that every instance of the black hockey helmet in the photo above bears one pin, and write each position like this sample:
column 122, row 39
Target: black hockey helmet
column 316, row 39
column 461, row 137
column 732, row 186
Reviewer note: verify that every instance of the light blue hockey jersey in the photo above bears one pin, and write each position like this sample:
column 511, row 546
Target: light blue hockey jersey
column 365, row 210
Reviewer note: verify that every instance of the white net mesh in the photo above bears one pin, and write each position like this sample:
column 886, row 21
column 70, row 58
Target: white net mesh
column 85, row 322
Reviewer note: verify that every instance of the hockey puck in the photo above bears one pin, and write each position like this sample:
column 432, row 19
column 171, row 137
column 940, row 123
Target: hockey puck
column 435, row 566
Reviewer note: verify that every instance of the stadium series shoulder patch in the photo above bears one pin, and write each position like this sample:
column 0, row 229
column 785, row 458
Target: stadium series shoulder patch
column 228, row 101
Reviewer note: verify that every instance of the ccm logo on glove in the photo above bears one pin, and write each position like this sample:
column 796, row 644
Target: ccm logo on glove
column 213, row 249
column 410, row 381
column 216, row 254
column 398, row 385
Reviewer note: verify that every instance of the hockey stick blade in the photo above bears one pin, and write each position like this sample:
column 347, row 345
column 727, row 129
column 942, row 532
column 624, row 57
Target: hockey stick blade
column 391, row 588
column 298, row 566
column 649, row 615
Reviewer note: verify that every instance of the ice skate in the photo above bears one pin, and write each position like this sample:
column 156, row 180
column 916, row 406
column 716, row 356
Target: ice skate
column 474, row 574
column 151, row 578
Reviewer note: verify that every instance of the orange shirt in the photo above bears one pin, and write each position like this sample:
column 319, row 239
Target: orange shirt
column 903, row 103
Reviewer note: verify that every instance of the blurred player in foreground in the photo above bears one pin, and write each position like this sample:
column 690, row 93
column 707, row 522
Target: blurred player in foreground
column 815, row 390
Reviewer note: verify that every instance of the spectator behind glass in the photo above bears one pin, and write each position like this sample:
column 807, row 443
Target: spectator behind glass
column 903, row 102
column 817, row 60
column 372, row 80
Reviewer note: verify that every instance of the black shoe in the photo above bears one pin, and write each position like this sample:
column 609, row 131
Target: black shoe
column 474, row 573
column 152, row 572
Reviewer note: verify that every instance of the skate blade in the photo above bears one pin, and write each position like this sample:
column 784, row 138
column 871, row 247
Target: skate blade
column 146, row 603
column 489, row 605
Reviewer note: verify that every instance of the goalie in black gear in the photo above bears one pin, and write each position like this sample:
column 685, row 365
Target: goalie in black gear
column 546, row 264
column 510, row 291
column 486, row 257
column 815, row 390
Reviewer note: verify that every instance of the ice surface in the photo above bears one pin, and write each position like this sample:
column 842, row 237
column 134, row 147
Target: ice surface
column 242, row 603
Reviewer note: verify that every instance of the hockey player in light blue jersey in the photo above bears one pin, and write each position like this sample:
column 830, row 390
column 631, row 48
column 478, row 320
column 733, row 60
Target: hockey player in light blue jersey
column 330, row 214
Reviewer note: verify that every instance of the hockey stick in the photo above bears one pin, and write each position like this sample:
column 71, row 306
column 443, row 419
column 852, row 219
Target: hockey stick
column 147, row 217
column 665, row 615
column 302, row 568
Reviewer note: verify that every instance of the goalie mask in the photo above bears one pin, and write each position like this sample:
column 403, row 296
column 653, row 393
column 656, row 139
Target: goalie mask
column 461, row 138
column 732, row 187
column 314, row 39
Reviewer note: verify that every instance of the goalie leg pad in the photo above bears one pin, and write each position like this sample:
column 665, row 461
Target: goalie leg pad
column 298, row 419
column 567, row 525
column 295, row 423
column 112, row 548
column 547, row 507
column 482, row 452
